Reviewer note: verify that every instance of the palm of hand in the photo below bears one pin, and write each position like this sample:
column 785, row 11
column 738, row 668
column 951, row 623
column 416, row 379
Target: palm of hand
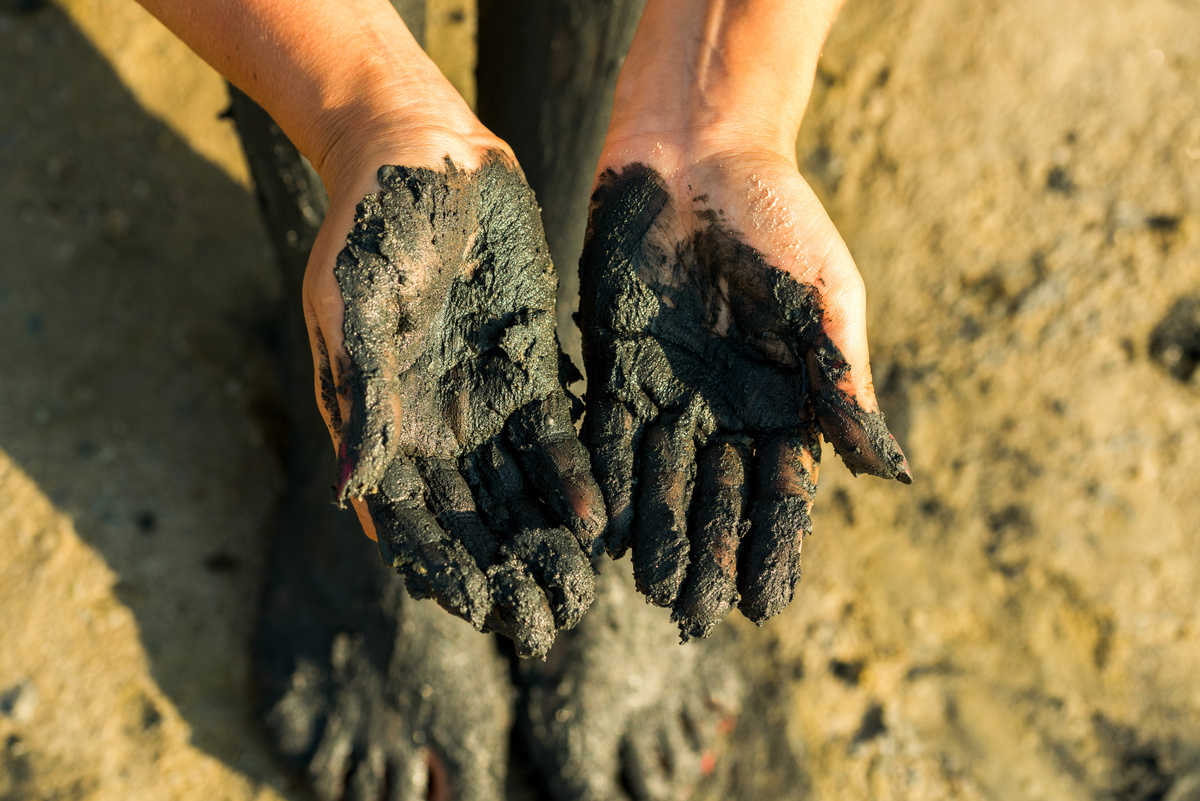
column 459, row 435
column 712, row 372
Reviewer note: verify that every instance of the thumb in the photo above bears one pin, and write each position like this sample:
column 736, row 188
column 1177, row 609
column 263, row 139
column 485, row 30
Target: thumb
column 839, row 374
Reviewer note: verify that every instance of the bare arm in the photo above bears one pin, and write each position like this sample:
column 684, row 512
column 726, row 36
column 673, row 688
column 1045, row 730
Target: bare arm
column 740, row 69
column 338, row 77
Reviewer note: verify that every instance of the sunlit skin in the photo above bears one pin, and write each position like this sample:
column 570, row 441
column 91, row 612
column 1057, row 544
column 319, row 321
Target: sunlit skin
column 711, row 94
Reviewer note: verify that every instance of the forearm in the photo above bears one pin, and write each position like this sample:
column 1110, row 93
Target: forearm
column 321, row 69
column 737, row 69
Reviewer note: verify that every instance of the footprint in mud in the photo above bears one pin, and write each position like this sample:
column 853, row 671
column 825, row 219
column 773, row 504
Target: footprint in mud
column 711, row 377
column 617, row 711
column 460, row 434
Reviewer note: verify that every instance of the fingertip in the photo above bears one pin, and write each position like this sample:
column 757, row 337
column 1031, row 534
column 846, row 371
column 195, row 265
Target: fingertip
column 769, row 566
column 520, row 611
column 364, row 518
column 612, row 433
column 558, row 465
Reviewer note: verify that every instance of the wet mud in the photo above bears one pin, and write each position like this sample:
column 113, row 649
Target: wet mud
column 461, row 436
column 711, row 379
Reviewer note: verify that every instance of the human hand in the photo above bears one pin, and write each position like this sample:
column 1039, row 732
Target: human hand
column 430, row 302
column 723, row 326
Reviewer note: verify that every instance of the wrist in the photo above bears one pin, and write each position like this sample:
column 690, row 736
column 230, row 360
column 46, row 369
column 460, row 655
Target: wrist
column 417, row 121
column 722, row 75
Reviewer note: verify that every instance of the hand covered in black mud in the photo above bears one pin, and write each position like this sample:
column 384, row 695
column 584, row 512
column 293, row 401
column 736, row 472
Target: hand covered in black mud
column 443, row 385
column 723, row 329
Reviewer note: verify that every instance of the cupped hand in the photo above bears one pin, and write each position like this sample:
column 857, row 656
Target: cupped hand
column 723, row 326
column 430, row 303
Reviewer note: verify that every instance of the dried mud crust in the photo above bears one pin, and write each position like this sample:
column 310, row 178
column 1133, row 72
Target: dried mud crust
column 461, row 436
column 618, row 711
column 710, row 380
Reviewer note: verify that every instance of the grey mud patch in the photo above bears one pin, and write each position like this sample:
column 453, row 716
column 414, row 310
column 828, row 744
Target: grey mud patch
column 460, row 435
column 711, row 379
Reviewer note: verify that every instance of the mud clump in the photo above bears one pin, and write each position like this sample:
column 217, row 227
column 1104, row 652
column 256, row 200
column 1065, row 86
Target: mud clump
column 711, row 378
column 1175, row 341
column 460, row 435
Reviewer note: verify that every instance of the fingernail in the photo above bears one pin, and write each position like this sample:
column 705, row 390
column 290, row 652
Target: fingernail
column 900, row 462
column 345, row 469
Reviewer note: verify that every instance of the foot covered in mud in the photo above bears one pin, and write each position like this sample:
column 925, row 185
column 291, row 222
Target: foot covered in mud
column 723, row 329
column 369, row 695
column 619, row 711
column 448, row 402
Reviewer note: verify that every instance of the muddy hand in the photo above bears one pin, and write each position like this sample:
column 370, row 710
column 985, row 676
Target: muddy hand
column 723, row 331
column 439, row 373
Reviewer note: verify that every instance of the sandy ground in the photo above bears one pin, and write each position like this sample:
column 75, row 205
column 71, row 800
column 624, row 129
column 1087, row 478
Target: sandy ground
column 1020, row 184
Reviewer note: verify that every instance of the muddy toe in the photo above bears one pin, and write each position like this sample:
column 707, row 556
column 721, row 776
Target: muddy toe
column 620, row 710
column 368, row 693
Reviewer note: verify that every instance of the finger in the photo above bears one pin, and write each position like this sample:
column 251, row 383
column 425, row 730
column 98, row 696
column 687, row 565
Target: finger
column 520, row 610
column 666, row 472
column 364, row 519
column 784, row 486
column 334, row 407
column 356, row 411
column 858, row 433
column 558, row 466
column 550, row 554
column 613, row 433
column 452, row 502
column 718, row 525
column 826, row 310
column 433, row 564
column 564, row 572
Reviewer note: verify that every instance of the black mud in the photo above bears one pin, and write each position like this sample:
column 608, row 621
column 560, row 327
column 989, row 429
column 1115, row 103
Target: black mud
column 710, row 378
column 460, row 436
column 1175, row 341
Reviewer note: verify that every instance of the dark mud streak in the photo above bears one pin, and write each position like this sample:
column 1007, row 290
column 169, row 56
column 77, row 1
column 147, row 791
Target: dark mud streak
column 681, row 318
column 450, row 330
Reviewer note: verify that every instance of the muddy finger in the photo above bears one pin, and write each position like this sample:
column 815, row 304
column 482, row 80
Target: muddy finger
column 667, row 469
column 433, row 564
column 520, row 610
column 557, row 465
column 784, row 486
column 563, row 571
column 860, row 436
column 612, row 434
column 550, row 554
column 452, row 502
column 717, row 527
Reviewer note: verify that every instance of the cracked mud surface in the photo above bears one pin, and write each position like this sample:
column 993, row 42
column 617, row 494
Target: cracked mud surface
column 461, row 437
